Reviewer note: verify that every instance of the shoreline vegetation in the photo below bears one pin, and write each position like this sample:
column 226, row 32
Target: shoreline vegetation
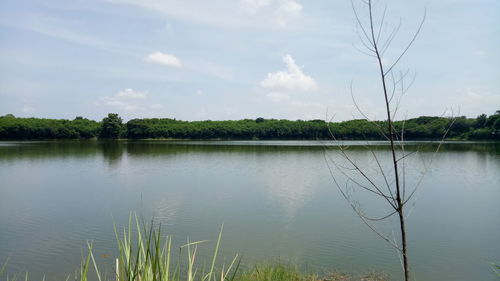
column 482, row 127
column 146, row 254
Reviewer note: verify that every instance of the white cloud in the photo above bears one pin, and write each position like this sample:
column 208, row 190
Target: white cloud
column 66, row 30
column 252, row 6
column 460, row 101
column 277, row 97
column 28, row 109
column 243, row 13
column 163, row 59
column 291, row 7
column 474, row 102
column 130, row 93
column 292, row 79
column 129, row 100
column 279, row 11
column 156, row 106
column 169, row 29
column 119, row 104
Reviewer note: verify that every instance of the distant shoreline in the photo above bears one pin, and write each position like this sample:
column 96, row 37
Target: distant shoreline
column 424, row 128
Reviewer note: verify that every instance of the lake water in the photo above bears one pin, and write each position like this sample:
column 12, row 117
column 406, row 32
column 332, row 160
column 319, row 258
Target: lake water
column 277, row 200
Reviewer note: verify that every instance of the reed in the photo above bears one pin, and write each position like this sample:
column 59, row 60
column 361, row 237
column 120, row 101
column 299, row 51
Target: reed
column 146, row 255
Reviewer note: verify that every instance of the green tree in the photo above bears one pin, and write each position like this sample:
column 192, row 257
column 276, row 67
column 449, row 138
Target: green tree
column 481, row 121
column 112, row 127
column 493, row 119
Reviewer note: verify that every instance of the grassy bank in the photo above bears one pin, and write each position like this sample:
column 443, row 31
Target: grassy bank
column 145, row 254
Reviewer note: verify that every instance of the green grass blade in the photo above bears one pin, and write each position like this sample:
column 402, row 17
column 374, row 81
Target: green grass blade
column 93, row 261
column 215, row 253
column 235, row 270
column 4, row 266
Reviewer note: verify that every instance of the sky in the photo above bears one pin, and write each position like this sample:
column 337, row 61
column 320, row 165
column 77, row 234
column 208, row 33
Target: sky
column 236, row 59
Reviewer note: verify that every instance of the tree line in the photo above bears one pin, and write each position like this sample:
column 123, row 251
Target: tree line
column 482, row 127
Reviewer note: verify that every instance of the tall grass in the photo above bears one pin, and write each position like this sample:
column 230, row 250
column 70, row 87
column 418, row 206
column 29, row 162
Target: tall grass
column 496, row 268
column 146, row 255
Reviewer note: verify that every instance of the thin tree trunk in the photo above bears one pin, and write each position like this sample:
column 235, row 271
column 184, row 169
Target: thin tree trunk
column 390, row 128
column 403, row 239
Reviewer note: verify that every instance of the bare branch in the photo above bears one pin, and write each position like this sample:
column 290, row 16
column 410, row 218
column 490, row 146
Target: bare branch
column 381, row 23
column 409, row 44
column 381, row 218
column 363, row 52
column 360, row 24
column 390, row 38
column 381, row 131
column 432, row 159
column 402, row 144
column 376, row 191
column 356, row 210
column 383, row 175
column 394, row 84
column 405, row 155
column 363, row 42
column 393, row 91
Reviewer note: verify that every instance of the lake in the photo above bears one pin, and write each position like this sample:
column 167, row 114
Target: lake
column 276, row 199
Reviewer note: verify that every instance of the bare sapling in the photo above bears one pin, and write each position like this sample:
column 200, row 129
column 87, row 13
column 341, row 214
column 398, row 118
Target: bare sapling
column 384, row 178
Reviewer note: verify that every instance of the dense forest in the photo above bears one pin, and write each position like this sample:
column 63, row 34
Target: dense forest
column 482, row 127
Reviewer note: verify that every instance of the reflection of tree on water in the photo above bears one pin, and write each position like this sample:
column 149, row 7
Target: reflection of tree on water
column 112, row 151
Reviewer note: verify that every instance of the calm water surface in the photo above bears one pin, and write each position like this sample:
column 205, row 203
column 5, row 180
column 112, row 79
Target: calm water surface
column 275, row 198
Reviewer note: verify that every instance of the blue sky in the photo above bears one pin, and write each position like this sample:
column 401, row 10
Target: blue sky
column 234, row 59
